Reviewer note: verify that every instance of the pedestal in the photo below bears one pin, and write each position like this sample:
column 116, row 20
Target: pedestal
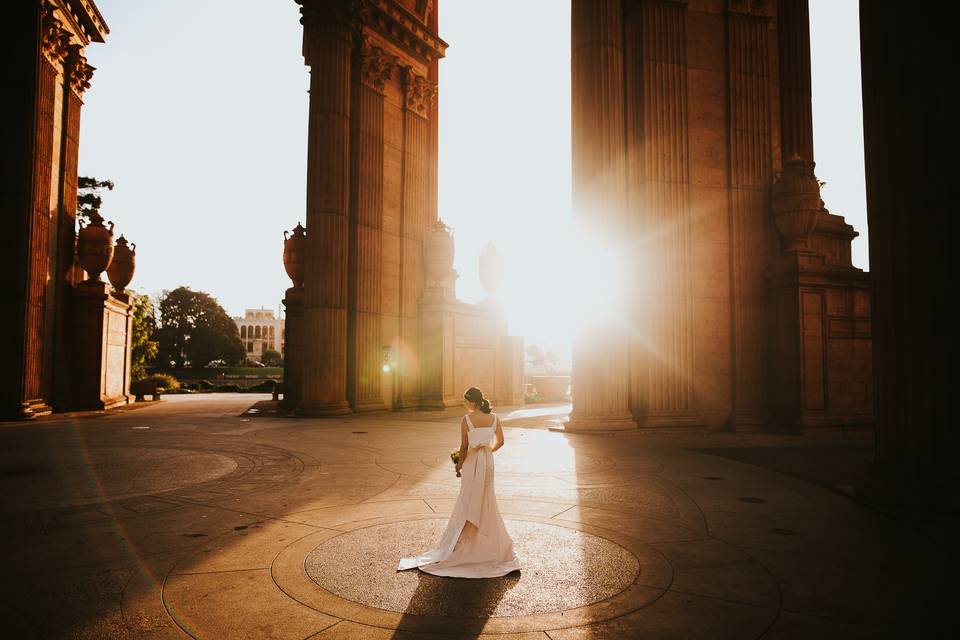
column 100, row 347
column 438, row 354
column 509, row 371
column 293, row 349
column 819, row 351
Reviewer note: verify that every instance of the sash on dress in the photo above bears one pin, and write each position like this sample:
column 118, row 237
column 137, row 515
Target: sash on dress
column 480, row 442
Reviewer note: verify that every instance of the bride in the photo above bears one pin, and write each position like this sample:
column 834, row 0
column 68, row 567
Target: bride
column 476, row 543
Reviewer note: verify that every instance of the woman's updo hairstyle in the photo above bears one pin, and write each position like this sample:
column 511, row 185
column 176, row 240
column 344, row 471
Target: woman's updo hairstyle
column 475, row 396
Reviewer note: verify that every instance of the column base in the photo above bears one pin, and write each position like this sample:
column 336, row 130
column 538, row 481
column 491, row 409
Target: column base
column 748, row 423
column 441, row 404
column 909, row 492
column 40, row 408
column 597, row 424
column 366, row 406
column 408, row 404
column 660, row 420
column 323, row 410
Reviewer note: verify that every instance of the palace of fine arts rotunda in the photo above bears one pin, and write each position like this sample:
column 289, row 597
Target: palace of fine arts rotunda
column 734, row 303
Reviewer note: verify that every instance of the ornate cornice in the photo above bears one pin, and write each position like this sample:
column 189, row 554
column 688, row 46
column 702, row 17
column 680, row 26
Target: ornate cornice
column 419, row 92
column 79, row 73
column 376, row 65
column 404, row 28
column 54, row 39
column 749, row 8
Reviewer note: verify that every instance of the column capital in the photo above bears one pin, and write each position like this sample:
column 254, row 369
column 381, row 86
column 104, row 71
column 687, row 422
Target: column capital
column 54, row 39
column 79, row 73
column 749, row 8
column 419, row 92
column 376, row 65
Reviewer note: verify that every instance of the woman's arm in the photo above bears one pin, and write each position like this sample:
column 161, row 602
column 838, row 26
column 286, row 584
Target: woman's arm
column 499, row 442
column 464, row 443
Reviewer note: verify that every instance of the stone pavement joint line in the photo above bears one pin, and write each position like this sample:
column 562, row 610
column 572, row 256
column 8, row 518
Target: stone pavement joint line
column 210, row 527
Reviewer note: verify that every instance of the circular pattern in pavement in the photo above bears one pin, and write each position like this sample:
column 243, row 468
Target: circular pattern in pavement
column 562, row 569
column 106, row 472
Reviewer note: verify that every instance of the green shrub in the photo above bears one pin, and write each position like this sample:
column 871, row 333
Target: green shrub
column 228, row 388
column 164, row 380
column 264, row 387
column 205, row 385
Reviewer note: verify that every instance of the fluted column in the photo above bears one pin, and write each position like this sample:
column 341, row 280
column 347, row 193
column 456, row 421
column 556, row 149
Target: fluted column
column 600, row 373
column 662, row 367
column 419, row 94
column 748, row 64
column 34, row 56
column 328, row 31
column 374, row 70
column 796, row 115
column 63, row 275
column 910, row 176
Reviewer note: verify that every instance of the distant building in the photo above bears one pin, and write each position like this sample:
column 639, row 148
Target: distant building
column 260, row 330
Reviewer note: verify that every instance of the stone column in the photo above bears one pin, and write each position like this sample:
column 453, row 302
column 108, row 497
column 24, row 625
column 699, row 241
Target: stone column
column 748, row 69
column 419, row 94
column 600, row 373
column 63, row 239
column 910, row 174
column 661, row 367
column 328, row 31
column 374, row 69
column 34, row 53
column 796, row 115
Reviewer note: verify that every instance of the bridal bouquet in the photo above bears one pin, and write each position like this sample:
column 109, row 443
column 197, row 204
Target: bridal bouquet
column 455, row 456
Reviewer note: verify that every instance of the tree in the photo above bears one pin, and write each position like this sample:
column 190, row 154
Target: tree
column 271, row 358
column 143, row 347
column 195, row 330
column 88, row 194
column 540, row 358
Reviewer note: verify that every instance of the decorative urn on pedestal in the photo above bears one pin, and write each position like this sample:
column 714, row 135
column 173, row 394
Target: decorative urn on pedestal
column 796, row 203
column 120, row 271
column 438, row 251
column 293, row 248
column 95, row 246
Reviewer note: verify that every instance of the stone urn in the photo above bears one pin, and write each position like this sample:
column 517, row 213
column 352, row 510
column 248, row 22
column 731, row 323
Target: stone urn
column 491, row 269
column 796, row 203
column 293, row 254
column 120, row 271
column 95, row 246
column 438, row 255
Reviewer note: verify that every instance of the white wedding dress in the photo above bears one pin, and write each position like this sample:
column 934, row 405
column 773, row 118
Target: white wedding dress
column 476, row 543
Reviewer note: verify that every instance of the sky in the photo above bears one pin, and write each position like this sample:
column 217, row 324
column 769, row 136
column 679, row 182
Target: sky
column 198, row 112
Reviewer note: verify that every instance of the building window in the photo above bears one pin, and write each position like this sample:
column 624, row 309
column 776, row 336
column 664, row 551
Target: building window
column 243, row 332
column 256, row 332
column 249, row 347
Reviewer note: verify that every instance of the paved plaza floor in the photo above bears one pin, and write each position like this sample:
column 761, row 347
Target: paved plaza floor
column 196, row 517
